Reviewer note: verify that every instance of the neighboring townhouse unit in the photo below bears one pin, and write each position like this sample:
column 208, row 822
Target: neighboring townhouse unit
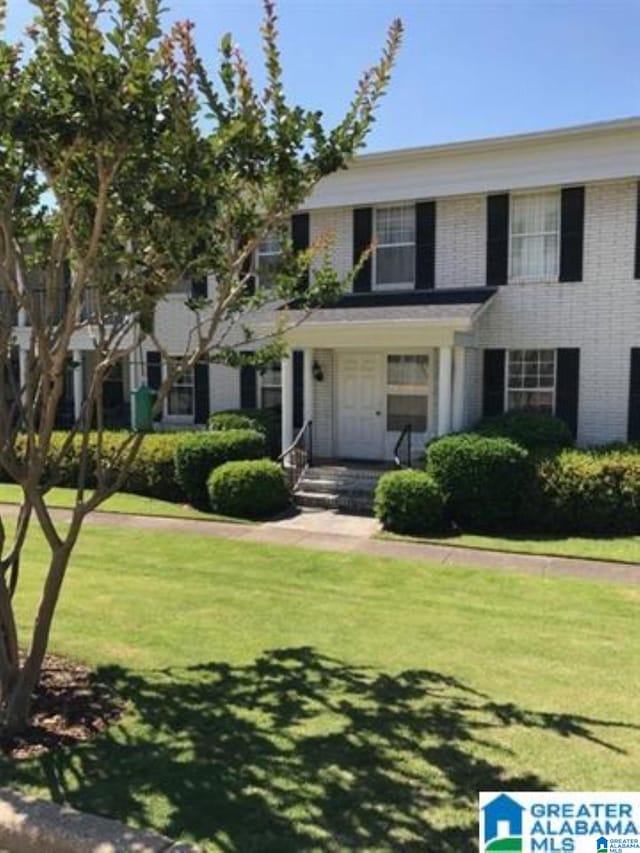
column 505, row 275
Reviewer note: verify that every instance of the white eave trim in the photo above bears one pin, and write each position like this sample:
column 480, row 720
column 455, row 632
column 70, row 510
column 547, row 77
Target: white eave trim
column 604, row 151
column 492, row 142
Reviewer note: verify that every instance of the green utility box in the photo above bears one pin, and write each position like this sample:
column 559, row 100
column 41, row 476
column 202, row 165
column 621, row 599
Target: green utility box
column 143, row 399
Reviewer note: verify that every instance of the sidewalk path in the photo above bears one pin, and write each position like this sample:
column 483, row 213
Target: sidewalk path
column 330, row 531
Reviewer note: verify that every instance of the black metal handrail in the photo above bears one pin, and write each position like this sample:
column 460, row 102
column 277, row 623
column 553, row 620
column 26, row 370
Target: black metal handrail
column 299, row 455
column 404, row 435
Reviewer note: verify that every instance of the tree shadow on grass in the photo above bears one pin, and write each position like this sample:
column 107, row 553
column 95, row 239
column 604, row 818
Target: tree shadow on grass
column 298, row 751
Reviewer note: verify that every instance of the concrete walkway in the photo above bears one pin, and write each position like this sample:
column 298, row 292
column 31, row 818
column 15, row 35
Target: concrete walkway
column 327, row 530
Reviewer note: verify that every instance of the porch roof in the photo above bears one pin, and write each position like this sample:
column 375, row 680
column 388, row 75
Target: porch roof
column 351, row 324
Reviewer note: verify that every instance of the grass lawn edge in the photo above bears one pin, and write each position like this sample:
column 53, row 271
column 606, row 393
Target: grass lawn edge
column 387, row 535
column 105, row 509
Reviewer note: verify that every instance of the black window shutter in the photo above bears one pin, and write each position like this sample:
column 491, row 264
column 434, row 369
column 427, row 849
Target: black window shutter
column 425, row 245
column 493, row 382
column 634, row 396
column 154, row 370
column 637, row 263
column 298, row 388
column 497, row 239
column 568, row 386
column 199, row 288
column 201, row 379
column 154, row 374
column 248, row 387
column 571, row 233
column 362, row 236
column 300, row 241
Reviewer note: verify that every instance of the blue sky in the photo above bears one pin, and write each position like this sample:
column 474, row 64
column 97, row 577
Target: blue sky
column 467, row 69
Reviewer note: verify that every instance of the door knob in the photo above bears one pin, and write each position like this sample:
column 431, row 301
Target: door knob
column 378, row 413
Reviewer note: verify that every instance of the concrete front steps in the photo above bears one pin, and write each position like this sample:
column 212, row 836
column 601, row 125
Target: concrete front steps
column 347, row 487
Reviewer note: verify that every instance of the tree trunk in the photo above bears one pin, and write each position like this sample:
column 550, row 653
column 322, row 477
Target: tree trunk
column 9, row 657
column 16, row 701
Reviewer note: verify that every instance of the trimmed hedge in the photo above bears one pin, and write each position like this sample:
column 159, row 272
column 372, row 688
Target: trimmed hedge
column 483, row 479
column 248, row 489
column 590, row 493
column 223, row 421
column 198, row 453
column 152, row 472
column 530, row 430
column 409, row 502
column 266, row 421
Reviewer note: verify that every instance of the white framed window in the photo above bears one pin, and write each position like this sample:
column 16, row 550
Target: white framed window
column 407, row 389
column 271, row 387
column 394, row 261
column 268, row 258
column 534, row 245
column 181, row 398
column 531, row 380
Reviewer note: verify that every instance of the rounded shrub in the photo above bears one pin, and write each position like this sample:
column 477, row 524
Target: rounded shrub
column 409, row 502
column 591, row 493
column 248, row 489
column 483, row 478
column 197, row 453
column 531, row 430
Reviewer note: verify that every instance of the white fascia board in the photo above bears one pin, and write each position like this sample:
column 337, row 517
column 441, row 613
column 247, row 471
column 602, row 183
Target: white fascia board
column 354, row 335
column 551, row 159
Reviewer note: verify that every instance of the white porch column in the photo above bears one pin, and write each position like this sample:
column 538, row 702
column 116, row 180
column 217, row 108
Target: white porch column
column 22, row 372
column 287, row 400
column 445, row 360
column 78, row 385
column 307, row 384
column 133, row 371
column 22, row 314
column 457, row 420
column 134, row 356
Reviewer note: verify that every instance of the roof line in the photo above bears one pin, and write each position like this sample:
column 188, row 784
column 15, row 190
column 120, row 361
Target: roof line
column 628, row 123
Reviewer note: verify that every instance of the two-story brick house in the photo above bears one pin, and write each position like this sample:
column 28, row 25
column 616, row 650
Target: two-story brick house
column 506, row 274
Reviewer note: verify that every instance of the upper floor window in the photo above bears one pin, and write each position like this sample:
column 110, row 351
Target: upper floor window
column 394, row 262
column 535, row 237
column 531, row 380
column 268, row 259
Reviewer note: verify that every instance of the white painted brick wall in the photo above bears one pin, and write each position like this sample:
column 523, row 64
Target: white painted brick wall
column 225, row 387
column 323, row 404
column 600, row 314
column 338, row 223
column 460, row 241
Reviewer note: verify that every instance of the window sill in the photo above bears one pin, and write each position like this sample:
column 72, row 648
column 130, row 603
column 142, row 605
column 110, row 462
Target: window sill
column 393, row 288
column 548, row 280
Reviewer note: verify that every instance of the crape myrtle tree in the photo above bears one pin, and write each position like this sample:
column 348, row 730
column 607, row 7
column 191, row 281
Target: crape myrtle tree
column 126, row 166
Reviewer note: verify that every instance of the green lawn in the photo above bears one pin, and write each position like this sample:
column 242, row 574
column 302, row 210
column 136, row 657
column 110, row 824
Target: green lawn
column 290, row 700
column 622, row 549
column 122, row 502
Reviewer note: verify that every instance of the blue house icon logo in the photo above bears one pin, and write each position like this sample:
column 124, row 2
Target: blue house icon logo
column 602, row 845
column 503, row 825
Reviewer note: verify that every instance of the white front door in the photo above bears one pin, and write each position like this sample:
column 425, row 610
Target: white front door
column 360, row 415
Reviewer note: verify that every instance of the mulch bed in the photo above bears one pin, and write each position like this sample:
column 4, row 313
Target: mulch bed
column 69, row 707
